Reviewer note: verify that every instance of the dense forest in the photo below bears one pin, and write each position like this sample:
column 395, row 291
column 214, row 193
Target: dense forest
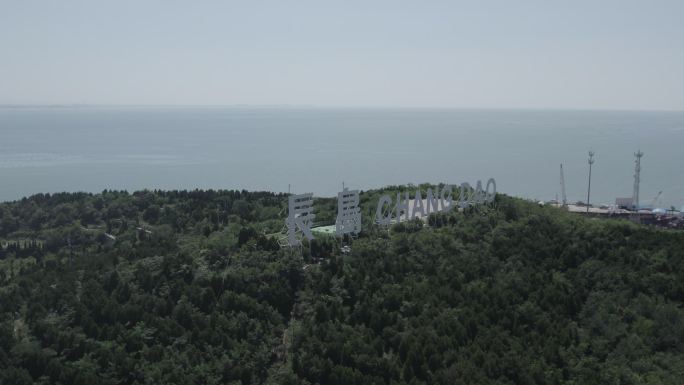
column 192, row 287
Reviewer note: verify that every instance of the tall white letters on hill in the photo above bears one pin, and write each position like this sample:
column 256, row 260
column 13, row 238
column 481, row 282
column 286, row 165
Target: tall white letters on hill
column 383, row 214
column 299, row 222
column 405, row 209
column 348, row 213
column 300, row 218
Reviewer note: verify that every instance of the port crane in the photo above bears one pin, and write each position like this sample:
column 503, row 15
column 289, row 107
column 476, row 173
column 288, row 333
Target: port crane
column 654, row 202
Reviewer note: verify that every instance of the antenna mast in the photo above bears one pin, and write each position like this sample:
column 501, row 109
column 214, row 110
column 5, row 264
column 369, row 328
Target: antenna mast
column 562, row 183
column 591, row 162
column 637, row 179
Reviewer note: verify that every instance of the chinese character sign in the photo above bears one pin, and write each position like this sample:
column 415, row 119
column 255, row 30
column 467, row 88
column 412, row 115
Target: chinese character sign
column 348, row 213
column 301, row 215
column 300, row 218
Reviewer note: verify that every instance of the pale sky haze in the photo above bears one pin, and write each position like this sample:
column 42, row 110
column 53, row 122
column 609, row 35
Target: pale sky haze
column 579, row 54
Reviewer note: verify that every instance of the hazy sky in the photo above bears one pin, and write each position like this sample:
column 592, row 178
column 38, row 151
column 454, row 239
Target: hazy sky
column 603, row 54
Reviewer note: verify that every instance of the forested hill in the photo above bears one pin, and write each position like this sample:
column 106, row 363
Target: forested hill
column 192, row 288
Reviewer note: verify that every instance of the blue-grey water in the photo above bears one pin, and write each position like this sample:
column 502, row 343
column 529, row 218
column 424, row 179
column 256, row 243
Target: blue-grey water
column 52, row 149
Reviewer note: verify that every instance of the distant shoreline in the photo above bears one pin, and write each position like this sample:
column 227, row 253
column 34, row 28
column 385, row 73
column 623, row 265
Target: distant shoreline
column 323, row 107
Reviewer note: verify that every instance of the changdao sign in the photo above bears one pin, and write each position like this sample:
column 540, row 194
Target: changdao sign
column 300, row 217
column 404, row 209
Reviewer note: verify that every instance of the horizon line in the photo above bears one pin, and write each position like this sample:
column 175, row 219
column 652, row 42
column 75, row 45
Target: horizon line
column 313, row 106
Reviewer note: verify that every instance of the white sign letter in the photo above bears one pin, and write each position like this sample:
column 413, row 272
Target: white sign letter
column 402, row 206
column 418, row 206
column 432, row 203
column 348, row 213
column 490, row 194
column 384, row 217
column 446, row 198
column 300, row 218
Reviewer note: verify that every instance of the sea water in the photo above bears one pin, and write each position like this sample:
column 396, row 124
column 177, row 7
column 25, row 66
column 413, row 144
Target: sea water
column 53, row 149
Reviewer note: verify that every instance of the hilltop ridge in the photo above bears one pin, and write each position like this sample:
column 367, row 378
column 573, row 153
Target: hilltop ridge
column 192, row 287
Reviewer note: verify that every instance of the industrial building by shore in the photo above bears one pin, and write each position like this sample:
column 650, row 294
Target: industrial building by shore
column 657, row 217
column 628, row 207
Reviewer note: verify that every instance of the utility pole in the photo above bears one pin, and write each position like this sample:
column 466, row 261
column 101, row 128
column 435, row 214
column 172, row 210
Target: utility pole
column 637, row 179
column 562, row 183
column 591, row 162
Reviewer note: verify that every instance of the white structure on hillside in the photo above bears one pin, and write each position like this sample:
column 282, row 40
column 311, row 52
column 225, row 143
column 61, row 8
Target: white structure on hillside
column 348, row 213
column 299, row 219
